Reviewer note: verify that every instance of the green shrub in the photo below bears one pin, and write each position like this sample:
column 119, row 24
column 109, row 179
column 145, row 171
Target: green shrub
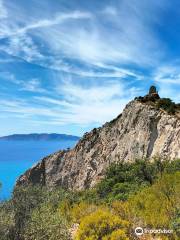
column 47, row 224
column 6, row 221
column 142, row 192
column 167, row 104
column 124, row 179
column 26, row 199
column 158, row 206
column 101, row 225
column 117, row 235
column 82, row 210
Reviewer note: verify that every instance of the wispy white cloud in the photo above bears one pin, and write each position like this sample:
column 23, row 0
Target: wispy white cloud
column 59, row 19
column 10, row 77
column 92, row 93
column 168, row 74
column 95, row 104
column 30, row 85
column 167, row 77
column 33, row 85
column 110, row 10
column 9, row 103
column 22, row 46
column 95, row 43
column 94, row 70
column 79, row 105
column 3, row 10
column 45, row 23
column 27, row 108
column 87, row 39
column 53, row 101
column 98, row 52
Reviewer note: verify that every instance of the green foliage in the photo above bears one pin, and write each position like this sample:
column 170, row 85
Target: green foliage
column 82, row 210
column 175, row 223
column 144, row 193
column 6, row 221
column 158, row 206
column 116, row 235
column 125, row 179
column 154, row 100
column 171, row 166
column 102, row 224
column 167, row 104
column 46, row 223
column 89, row 196
column 26, row 199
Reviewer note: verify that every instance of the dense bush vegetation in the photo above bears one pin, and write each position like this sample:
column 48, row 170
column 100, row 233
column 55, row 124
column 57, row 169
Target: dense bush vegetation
column 102, row 224
column 46, row 223
column 162, row 198
column 6, row 221
column 125, row 179
column 160, row 103
column 167, row 104
column 142, row 193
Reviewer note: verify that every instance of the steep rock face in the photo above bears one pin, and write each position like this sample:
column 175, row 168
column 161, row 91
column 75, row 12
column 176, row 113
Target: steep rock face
column 140, row 131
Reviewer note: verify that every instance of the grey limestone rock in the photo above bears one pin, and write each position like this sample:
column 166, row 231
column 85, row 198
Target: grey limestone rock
column 140, row 131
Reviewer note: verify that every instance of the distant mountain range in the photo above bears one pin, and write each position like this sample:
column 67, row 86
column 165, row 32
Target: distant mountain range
column 40, row 136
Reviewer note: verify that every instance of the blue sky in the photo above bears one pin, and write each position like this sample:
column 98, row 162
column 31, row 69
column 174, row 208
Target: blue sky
column 69, row 66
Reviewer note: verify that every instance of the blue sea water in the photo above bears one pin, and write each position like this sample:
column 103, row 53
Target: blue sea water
column 17, row 156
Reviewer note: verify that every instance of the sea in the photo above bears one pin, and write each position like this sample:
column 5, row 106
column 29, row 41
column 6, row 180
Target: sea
column 17, row 156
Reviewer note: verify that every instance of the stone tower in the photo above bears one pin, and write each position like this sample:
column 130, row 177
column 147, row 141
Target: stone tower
column 152, row 90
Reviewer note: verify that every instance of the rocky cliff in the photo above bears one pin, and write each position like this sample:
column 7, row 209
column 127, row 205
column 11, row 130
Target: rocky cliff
column 140, row 131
